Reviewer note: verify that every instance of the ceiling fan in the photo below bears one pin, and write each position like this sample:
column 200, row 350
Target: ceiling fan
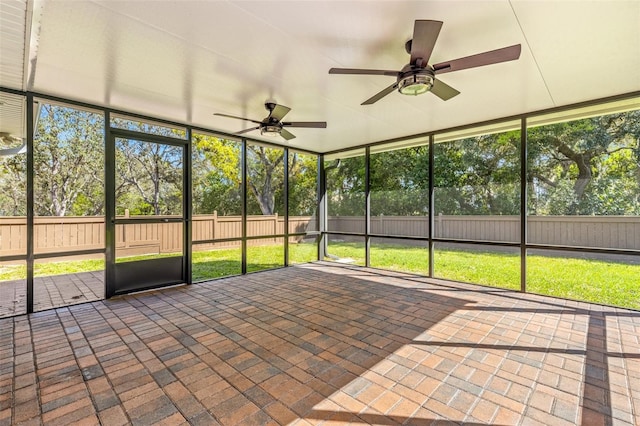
column 272, row 125
column 418, row 76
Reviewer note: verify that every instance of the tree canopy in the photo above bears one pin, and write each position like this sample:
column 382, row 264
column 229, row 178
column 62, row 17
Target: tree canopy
column 589, row 166
column 583, row 167
column 586, row 167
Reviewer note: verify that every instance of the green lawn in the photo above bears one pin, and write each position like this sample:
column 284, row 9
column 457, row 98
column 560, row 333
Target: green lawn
column 597, row 281
column 606, row 282
column 206, row 264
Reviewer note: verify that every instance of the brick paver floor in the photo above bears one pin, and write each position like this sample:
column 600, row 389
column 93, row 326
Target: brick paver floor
column 50, row 292
column 323, row 344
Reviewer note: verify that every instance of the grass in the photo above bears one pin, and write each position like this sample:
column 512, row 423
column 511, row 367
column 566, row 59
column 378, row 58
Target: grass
column 15, row 272
column 606, row 282
column 599, row 281
column 206, row 264
column 610, row 283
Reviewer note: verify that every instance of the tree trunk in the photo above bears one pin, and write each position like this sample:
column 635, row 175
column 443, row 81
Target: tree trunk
column 583, row 161
column 264, row 198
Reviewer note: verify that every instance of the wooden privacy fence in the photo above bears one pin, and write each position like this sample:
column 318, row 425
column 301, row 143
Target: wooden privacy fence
column 618, row 232
column 214, row 227
column 71, row 234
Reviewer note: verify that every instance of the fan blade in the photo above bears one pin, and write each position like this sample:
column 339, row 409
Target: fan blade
column 314, row 124
column 286, row 134
column 239, row 118
column 443, row 90
column 425, row 34
column 279, row 111
column 358, row 71
column 384, row 92
column 505, row 54
column 247, row 130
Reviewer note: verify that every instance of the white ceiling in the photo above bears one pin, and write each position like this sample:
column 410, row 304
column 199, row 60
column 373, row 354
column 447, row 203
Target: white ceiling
column 185, row 60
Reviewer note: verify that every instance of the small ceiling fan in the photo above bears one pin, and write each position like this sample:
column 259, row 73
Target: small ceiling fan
column 418, row 76
column 272, row 125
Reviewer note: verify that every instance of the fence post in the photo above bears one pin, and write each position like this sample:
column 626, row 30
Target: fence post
column 126, row 229
column 215, row 225
column 438, row 230
column 275, row 226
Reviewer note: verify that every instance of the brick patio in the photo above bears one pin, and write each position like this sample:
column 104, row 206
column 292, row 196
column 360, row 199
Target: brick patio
column 323, row 344
column 50, row 292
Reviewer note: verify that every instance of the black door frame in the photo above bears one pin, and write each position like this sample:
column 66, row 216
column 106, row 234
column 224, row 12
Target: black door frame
column 154, row 271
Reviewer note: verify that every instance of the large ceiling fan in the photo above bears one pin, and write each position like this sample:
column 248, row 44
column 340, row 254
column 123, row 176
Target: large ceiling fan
column 272, row 125
column 418, row 76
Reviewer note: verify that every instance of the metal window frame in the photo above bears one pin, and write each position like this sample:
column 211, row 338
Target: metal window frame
column 322, row 232
column 367, row 206
column 524, row 203
column 243, row 167
column 110, row 215
column 285, row 182
column 322, row 209
column 523, row 245
column 30, row 203
column 431, row 215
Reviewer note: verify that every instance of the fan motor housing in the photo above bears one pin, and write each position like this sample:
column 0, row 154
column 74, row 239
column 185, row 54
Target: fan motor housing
column 272, row 128
column 414, row 80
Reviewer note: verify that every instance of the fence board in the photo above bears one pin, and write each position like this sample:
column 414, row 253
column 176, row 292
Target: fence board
column 13, row 232
column 56, row 234
column 618, row 232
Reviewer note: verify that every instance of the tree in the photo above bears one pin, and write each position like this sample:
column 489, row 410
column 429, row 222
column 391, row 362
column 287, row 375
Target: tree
column 303, row 184
column 155, row 172
column 13, row 185
column 589, row 167
column 473, row 176
column 265, row 179
column 217, row 180
column 579, row 167
column 399, row 181
column 216, row 176
column 345, row 186
column 68, row 162
column 478, row 175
